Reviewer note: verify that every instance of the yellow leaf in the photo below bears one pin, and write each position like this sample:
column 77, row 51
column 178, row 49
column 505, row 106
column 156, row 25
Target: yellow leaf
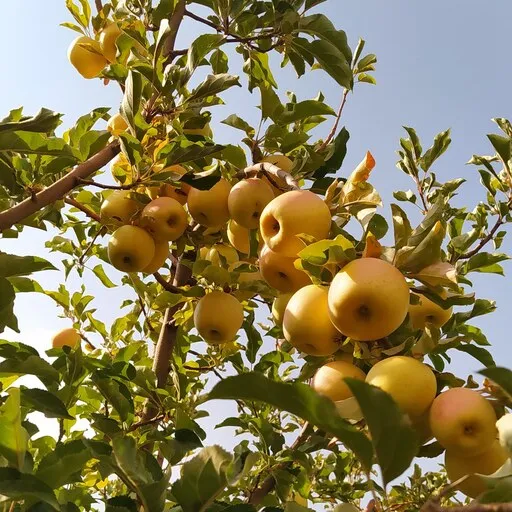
column 440, row 273
column 372, row 249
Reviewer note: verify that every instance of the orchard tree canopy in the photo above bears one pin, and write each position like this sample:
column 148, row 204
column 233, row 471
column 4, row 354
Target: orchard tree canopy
column 264, row 273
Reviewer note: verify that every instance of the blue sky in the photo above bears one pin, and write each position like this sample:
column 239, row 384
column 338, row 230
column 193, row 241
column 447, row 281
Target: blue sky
column 440, row 65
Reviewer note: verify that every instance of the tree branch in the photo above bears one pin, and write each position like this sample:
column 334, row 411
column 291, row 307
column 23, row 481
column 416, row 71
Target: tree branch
column 433, row 506
column 266, row 168
column 58, row 189
column 82, row 208
column 93, row 183
column 166, row 285
column 174, row 25
column 268, row 485
column 99, row 5
column 332, row 133
column 484, row 240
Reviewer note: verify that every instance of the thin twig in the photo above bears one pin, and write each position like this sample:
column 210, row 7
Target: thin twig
column 332, row 133
column 82, row 208
column 169, row 287
column 93, row 183
column 266, row 168
column 102, row 231
column 484, row 240
column 59, row 189
column 145, row 313
column 149, row 421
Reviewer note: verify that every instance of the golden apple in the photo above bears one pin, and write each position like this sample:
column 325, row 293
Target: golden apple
column 306, row 322
column 427, row 312
column 368, row 299
column 463, row 421
column 291, row 214
column 485, row 463
column 225, row 251
column 131, row 249
column 178, row 192
column 117, row 124
column 210, row 207
column 411, row 384
column 279, row 307
column 218, row 317
column 280, row 273
column 160, row 257
column 107, row 38
column 240, row 237
column 66, row 338
column 118, row 208
column 85, row 55
column 247, row 200
column 285, row 164
column 329, row 379
column 164, row 218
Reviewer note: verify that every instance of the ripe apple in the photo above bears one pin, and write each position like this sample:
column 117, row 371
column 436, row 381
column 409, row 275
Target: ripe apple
column 368, row 299
column 66, row 338
column 279, row 307
column 411, row 384
column 240, row 237
column 107, row 38
column 131, row 249
column 118, row 208
column 428, row 312
column 306, row 322
column 463, row 421
column 210, row 207
column 329, row 379
column 247, row 200
column 226, row 251
column 280, row 273
column 164, row 218
column 484, row 463
column 160, row 257
column 218, row 317
column 85, row 55
column 117, row 124
column 294, row 213
column 179, row 191
column 285, row 164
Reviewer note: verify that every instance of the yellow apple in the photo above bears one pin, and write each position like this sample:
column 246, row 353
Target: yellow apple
column 368, row 299
column 247, row 200
column 427, row 312
column 329, row 379
column 226, row 251
column 210, row 207
column 280, row 273
column 306, row 322
column 291, row 214
column 279, row 307
column 218, row 316
column 160, row 257
column 411, row 384
column 178, row 192
column 484, row 463
column 240, row 237
column 85, row 55
column 118, row 208
column 131, row 249
column 66, row 338
column 463, row 421
column 117, row 124
column 285, row 164
column 164, row 218
column 107, row 38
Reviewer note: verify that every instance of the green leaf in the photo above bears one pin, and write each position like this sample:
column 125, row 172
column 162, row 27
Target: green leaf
column 130, row 105
column 298, row 399
column 44, row 401
column 45, row 121
column 503, row 146
column 84, row 124
column 32, row 365
column 116, row 393
column 219, row 62
column 485, row 262
column 297, row 111
column 99, row 272
column 163, row 10
column 394, row 440
column 441, row 142
column 62, row 464
column 16, row 485
column 479, row 353
column 271, row 106
column 202, row 479
column 340, row 250
column 240, row 124
column 201, row 47
column 30, row 143
column 13, row 438
column 501, row 376
column 92, row 142
column 187, row 151
column 254, row 340
column 335, row 162
column 12, row 265
column 214, row 84
column 7, row 318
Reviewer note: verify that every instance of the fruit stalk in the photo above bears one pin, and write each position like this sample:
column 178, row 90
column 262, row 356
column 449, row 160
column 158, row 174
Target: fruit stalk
column 58, row 189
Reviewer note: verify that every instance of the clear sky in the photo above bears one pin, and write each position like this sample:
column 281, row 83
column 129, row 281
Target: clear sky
column 441, row 64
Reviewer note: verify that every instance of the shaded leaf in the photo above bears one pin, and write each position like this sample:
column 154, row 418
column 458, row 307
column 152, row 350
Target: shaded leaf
column 44, row 401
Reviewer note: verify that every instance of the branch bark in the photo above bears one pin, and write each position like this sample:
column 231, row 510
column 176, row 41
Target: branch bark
column 82, row 208
column 484, row 241
column 58, row 189
column 267, row 168
column 174, row 24
column 433, row 506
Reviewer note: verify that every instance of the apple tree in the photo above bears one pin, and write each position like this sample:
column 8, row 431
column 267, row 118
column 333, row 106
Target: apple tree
column 261, row 273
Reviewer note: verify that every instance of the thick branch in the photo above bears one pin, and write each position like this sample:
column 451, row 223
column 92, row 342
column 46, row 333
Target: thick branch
column 268, row 485
column 174, row 24
column 168, row 287
column 268, row 168
column 58, row 189
column 332, row 133
column 433, row 506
